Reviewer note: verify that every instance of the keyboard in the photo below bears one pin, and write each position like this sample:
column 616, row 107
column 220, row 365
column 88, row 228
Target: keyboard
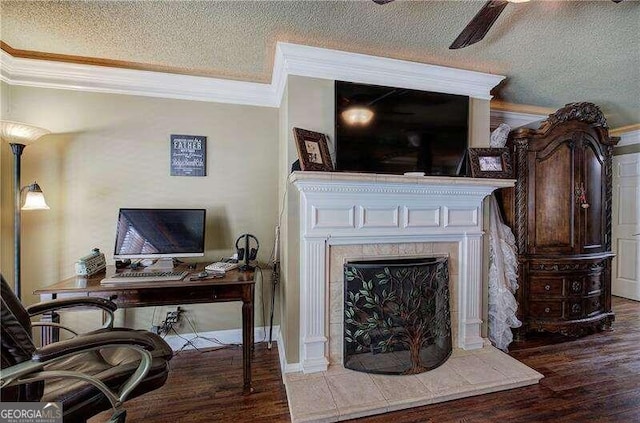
column 221, row 266
column 142, row 277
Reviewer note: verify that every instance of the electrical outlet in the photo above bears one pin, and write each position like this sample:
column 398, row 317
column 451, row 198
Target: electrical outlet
column 173, row 317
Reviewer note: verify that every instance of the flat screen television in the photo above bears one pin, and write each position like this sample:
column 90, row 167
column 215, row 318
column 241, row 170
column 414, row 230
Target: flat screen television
column 411, row 131
column 160, row 233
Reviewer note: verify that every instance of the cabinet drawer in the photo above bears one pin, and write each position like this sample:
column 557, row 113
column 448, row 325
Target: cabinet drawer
column 545, row 309
column 574, row 285
column 594, row 283
column 575, row 308
column 546, row 286
column 594, row 305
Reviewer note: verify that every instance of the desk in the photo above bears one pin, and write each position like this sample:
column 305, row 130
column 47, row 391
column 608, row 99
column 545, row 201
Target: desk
column 234, row 286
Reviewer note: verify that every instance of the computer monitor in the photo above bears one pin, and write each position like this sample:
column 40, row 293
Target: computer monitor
column 160, row 234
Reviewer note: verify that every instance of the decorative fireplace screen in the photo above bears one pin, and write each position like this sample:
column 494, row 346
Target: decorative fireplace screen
column 396, row 315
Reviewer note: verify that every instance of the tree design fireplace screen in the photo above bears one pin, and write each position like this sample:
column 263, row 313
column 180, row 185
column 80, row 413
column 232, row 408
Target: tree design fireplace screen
column 396, row 315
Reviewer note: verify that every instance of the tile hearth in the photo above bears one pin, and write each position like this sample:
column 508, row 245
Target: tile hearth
column 341, row 394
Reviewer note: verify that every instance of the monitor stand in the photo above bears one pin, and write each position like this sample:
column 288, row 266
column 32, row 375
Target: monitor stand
column 161, row 264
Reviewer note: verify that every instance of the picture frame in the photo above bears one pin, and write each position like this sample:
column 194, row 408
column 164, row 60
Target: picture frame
column 313, row 150
column 490, row 163
column 188, row 155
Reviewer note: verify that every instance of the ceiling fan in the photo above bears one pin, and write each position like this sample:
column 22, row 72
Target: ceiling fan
column 478, row 27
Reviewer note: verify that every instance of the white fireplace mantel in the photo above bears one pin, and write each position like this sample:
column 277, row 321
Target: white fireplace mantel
column 349, row 208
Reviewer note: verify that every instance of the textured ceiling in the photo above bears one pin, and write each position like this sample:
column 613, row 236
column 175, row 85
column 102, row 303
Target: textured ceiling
column 552, row 52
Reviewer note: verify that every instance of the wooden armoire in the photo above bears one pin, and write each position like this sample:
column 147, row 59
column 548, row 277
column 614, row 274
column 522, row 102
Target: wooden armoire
column 560, row 213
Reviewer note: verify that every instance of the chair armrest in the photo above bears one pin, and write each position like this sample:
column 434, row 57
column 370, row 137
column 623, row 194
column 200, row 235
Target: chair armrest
column 92, row 341
column 105, row 305
column 33, row 371
column 43, row 307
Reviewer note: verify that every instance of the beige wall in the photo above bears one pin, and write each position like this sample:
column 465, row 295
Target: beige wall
column 111, row 151
column 479, row 120
column 308, row 104
column 6, row 216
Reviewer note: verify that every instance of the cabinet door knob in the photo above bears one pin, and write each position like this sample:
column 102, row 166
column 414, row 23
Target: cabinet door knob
column 546, row 310
column 547, row 287
column 581, row 196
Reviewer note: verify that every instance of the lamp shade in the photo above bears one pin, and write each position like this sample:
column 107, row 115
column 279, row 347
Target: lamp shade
column 35, row 199
column 20, row 133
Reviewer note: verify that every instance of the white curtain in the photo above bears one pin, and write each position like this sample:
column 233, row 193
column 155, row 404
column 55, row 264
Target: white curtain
column 503, row 269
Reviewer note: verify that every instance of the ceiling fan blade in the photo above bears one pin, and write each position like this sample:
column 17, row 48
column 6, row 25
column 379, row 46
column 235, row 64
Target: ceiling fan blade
column 382, row 1
column 478, row 27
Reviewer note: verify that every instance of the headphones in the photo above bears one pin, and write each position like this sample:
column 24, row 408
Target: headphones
column 246, row 252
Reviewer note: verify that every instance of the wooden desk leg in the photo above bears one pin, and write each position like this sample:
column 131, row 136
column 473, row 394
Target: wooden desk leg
column 247, row 336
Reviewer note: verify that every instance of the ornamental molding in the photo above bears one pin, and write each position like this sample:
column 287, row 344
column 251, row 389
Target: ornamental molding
column 389, row 190
column 290, row 59
column 583, row 112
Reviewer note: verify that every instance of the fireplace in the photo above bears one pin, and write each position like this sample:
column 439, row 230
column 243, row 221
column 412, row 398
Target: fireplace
column 347, row 218
column 380, row 213
column 396, row 315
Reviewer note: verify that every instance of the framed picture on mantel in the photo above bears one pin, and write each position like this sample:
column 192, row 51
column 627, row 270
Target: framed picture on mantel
column 313, row 150
column 490, row 163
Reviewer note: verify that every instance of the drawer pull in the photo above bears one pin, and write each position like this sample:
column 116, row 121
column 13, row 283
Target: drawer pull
column 575, row 286
column 547, row 287
column 547, row 310
column 575, row 308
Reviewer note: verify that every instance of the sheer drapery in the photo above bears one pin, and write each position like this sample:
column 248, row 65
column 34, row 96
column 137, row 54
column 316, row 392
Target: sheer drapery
column 503, row 269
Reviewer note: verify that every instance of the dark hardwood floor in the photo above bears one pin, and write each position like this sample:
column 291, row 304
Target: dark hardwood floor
column 590, row 379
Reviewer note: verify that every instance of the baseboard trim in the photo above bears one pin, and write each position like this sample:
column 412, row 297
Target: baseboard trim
column 284, row 366
column 229, row 336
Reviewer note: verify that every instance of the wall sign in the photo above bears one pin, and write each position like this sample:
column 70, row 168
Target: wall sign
column 188, row 155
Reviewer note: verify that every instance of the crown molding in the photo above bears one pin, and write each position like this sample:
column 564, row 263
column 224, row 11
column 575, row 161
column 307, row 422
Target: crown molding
column 513, row 119
column 81, row 77
column 621, row 131
column 290, row 59
column 315, row 62
column 521, row 108
column 629, row 138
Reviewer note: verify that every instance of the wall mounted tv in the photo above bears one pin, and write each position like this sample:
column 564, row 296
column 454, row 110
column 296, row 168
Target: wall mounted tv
column 411, row 131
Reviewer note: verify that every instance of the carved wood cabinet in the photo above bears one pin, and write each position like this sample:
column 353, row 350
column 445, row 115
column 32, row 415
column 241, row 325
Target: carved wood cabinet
column 560, row 212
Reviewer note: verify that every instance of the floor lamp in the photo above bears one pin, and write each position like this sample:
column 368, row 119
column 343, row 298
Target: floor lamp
column 19, row 134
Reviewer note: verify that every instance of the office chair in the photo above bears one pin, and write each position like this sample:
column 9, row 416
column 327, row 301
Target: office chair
column 88, row 373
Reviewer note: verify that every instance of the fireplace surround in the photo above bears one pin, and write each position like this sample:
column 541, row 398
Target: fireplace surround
column 351, row 217
column 374, row 211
